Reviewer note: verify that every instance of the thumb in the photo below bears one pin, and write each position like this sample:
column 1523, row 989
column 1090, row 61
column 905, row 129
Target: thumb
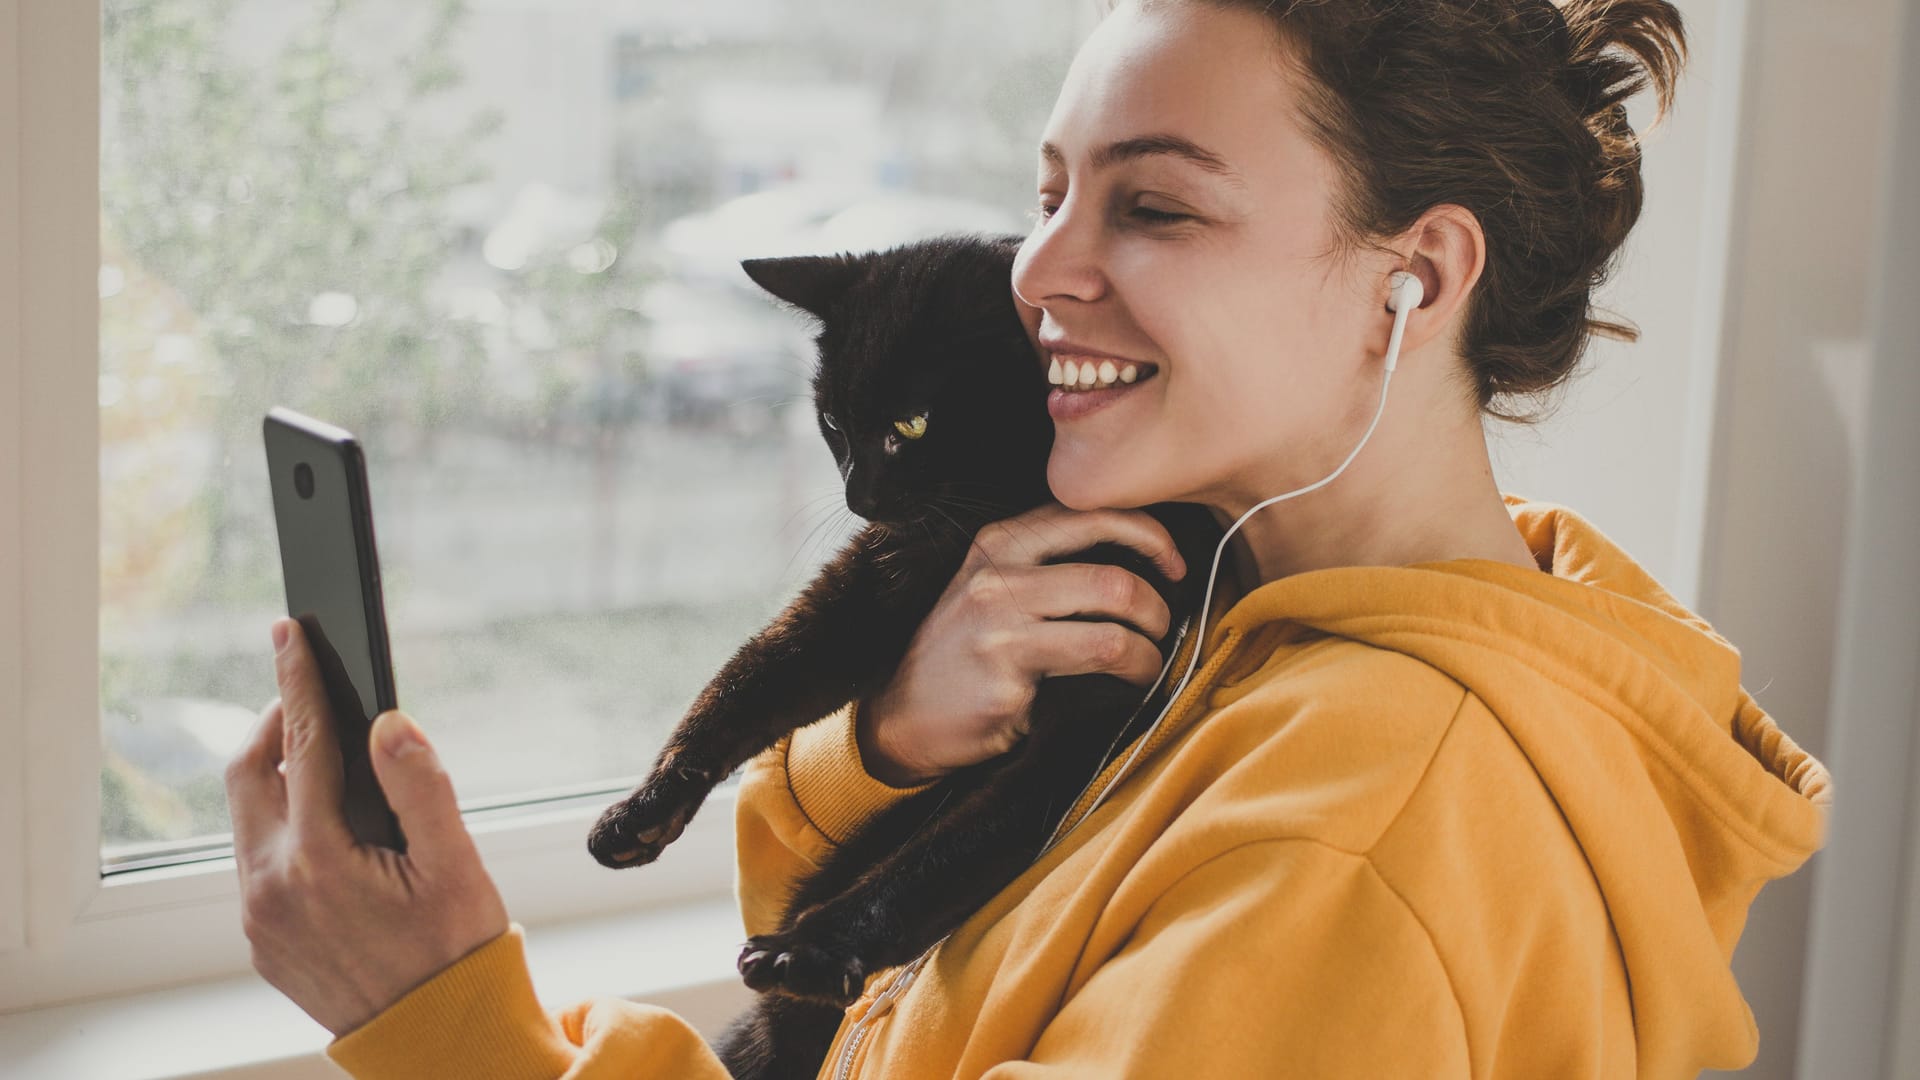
column 419, row 790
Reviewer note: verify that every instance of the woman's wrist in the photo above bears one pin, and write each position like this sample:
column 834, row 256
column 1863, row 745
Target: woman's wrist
column 874, row 758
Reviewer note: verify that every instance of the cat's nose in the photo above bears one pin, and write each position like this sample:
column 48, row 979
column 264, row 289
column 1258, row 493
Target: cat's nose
column 864, row 503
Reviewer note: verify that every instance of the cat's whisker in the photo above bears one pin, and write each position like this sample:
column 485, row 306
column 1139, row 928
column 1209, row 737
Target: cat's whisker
column 990, row 562
column 928, row 520
column 836, row 520
column 955, row 496
column 985, row 510
column 969, row 483
column 818, row 517
column 807, row 545
column 808, row 548
column 829, row 492
column 1027, row 525
column 828, row 519
column 994, row 496
column 841, row 519
column 965, row 536
column 825, row 491
column 931, row 814
column 1000, row 507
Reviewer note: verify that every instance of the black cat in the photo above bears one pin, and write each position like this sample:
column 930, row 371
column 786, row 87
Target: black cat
column 934, row 403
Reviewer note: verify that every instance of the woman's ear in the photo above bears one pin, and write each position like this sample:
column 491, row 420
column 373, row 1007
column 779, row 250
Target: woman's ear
column 1447, row 249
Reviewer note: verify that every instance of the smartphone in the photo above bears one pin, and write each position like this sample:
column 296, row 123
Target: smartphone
column 324, row 517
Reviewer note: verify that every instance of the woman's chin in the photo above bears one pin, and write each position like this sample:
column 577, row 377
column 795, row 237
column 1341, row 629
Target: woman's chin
column 1080, row 486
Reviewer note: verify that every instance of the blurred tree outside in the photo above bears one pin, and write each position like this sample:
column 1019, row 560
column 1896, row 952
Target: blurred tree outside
column 277, row 229
column 299, row 210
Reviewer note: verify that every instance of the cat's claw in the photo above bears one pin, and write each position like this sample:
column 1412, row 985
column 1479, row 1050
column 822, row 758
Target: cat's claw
column 776, row 963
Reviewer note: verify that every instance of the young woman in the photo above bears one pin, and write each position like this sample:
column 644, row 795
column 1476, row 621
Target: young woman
column 1455, row 788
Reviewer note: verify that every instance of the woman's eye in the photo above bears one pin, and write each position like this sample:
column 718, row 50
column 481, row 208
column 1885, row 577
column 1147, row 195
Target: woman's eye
column 1142, row 213
column 1158, row 217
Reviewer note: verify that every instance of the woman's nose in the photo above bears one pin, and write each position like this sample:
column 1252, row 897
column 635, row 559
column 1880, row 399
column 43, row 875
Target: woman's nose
column 1060, row 261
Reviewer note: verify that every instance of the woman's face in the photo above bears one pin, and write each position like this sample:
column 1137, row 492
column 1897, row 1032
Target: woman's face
column 1259, row 333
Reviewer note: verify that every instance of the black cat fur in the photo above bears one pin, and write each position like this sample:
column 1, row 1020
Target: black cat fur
column 928, row 327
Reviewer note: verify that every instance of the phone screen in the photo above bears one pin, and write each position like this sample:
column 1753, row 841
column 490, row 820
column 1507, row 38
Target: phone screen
column 323, row 514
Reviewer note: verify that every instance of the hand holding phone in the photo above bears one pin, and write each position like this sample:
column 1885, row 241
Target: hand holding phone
column 323, row 514
column 344, row 928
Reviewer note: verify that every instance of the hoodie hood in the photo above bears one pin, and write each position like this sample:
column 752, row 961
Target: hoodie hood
column 1684, row 795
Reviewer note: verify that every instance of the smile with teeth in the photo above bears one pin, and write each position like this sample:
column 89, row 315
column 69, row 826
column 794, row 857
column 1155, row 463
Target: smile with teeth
column 1094, row 372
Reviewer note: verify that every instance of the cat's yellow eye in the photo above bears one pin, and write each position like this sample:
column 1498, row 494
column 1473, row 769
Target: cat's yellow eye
column 912, row 429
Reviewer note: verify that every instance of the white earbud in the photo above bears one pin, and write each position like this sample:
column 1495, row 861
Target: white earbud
column 1407, row 293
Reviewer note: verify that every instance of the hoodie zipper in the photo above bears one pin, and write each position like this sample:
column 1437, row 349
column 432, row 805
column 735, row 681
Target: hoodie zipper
column 881, row 1005
column 884, row 1003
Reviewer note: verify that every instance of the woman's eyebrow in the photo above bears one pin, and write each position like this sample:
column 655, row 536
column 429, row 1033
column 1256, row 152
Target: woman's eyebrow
column 1149, row 146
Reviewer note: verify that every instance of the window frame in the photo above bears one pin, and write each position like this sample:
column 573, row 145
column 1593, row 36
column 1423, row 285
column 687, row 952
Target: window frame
column 67, row 933
column 13, row 928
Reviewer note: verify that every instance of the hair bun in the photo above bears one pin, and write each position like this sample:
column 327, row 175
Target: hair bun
column 1599, row 80
column 1616, row 49
column 1513, row 109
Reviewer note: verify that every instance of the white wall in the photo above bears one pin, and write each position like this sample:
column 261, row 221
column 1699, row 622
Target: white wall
column 1628, row 446
column 1722, row 448
column 1790, row 427
column 1861, row 1013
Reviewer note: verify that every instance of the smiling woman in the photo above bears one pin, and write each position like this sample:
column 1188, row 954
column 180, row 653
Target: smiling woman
column 1453, row 756
column 1237, row 233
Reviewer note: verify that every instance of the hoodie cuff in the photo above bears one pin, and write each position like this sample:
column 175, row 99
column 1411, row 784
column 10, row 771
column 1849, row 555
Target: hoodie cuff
column 829, row 779
column 477, row 1017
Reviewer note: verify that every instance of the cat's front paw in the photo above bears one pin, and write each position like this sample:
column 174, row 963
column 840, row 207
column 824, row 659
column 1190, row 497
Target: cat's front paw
column 635, row 831
column 784, row 964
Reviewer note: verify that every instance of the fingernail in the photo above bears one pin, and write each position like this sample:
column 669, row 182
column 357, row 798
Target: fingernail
column 399, row 735
column 282, row 630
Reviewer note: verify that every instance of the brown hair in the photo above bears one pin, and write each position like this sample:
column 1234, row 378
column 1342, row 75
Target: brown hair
column 1513, row 109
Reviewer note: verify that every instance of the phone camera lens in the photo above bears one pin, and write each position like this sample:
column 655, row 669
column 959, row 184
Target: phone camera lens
column 303, row 480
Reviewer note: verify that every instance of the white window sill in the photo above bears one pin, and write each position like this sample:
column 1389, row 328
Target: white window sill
column 680, row 957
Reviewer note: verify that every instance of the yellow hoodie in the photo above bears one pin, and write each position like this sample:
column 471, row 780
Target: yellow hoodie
column 1455, row 819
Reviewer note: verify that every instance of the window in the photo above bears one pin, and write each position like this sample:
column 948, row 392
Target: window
column 499, row 241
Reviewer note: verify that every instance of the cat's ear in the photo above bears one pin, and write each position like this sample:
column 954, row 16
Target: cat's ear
column 810, row 282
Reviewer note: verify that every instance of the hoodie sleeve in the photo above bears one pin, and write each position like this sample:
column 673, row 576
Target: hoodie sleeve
column 480, row 1017
column 803, row 796
column 1279, row 957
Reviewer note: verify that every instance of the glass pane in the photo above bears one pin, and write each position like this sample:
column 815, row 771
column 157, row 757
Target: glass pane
column 499, row 241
